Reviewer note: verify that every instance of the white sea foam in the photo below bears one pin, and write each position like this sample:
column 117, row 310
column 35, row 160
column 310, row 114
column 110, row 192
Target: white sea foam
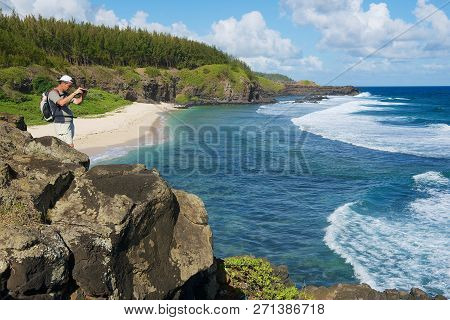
column 363, row 95
column 435, row 203
column 346, row 123
column 440, row 126
column 388, row 253
column 431, row 178
column 112, row 153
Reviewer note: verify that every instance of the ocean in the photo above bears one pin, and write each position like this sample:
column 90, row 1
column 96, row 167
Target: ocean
column 350, row 189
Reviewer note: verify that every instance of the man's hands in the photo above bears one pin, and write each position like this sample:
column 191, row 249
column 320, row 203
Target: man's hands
column 80, row 90
column 79, row 95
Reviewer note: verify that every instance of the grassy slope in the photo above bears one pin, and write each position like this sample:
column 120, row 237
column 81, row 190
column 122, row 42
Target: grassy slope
column 275, row 77
column 205, row 82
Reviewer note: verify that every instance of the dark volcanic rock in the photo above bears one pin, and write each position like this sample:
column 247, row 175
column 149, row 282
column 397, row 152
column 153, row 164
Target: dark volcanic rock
column 364, row 292
column 34, row 263
column 122, row 238
column 17, row 121
column 112, row 232
column 310, row 99
column 301, row 90
column 141, row 243
column 131, row 95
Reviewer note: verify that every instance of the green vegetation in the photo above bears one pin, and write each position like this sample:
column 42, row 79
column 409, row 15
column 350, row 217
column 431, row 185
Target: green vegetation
column 257, row 279
column 15, row 212
column 269, row 85
column 129, row 75
column 305, row 295
column 210, row 80
column 274, row 77
column 307, row 83
column 97, row 102
column 152, row 72
column 182, row 98
column 58, row 43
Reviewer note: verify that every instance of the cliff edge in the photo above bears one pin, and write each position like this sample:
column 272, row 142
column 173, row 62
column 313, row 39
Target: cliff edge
column 111, row 232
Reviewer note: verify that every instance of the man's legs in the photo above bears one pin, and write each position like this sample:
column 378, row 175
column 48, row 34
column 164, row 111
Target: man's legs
column 65, row 132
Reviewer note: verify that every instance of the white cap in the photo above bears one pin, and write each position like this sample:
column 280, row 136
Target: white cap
column 66, row 78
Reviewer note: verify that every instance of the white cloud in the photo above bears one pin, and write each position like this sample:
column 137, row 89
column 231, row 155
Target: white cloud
column 345, row 25
column 250, row 37
column 139, row 20
column 267, row 64
column 435, row 66
column 67, row 9
column 82, row 10
column 311, row 63
column 109, row 18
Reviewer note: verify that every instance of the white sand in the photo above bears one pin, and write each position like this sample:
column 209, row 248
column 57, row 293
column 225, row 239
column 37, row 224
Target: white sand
column 129, row 126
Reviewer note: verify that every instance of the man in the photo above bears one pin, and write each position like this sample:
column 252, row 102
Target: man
column 63, row 116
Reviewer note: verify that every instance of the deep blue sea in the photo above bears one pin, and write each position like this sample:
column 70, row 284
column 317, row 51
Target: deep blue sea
column 351, row 189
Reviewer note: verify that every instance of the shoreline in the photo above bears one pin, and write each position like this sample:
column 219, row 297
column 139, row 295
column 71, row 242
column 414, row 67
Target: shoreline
column 126, row 127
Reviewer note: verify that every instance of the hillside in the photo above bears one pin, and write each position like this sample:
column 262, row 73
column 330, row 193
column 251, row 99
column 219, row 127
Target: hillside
column 112, row 87
column 274, row 77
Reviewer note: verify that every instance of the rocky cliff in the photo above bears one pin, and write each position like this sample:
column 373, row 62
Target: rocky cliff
column 301, row 90
column 111, row 232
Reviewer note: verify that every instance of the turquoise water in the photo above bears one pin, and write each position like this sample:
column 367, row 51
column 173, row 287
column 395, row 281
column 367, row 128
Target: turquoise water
column 353, row 189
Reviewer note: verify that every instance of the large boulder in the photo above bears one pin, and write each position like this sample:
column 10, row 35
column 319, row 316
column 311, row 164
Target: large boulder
column 123, row 224
column 112, row 232
column 35, row 172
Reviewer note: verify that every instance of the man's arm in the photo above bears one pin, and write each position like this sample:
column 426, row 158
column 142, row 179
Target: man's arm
column 63, row 101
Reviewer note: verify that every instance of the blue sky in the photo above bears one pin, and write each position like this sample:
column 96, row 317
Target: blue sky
column 304, row 39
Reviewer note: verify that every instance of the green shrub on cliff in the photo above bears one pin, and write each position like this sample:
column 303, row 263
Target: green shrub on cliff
column 275, row 77
column 211, row 80
column 13, row 76
column 308, row 83
column 152, row 72
column 182, row 98
column 269, row 85
column 42, row 83
column 257, row 279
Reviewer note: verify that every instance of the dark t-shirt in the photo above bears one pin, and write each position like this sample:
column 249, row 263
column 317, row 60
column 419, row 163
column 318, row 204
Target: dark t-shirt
column 61, row 114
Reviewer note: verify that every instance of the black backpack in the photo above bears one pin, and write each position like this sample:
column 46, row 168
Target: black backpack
column 47, row 108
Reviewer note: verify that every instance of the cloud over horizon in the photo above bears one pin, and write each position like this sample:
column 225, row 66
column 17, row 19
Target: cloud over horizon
column 344, row 25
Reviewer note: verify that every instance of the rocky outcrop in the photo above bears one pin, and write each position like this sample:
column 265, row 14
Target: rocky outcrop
column 364, row 292
column 302, row 90
column 246, row 277
column 310, row 99
column 34, row 263
column 111, row 232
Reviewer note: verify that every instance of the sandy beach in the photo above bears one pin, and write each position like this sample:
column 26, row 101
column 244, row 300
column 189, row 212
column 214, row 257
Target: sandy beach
column 130, row 126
